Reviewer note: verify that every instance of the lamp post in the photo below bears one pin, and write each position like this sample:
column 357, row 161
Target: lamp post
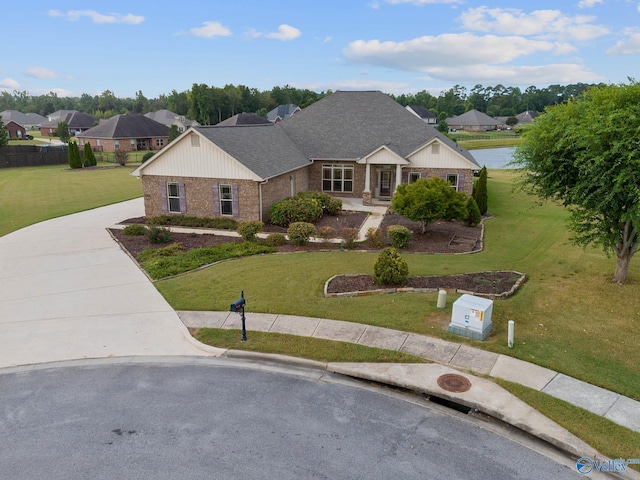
column 238, row 307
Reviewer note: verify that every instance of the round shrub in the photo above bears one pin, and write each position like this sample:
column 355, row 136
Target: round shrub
column 295, row 209
column 147, row 156
column 333, row 206
column 159, row 235
column 473, row 213
column 399, row 235
column 350, row 236
column 390, row 268
column 275, row 240
column 135, row 229
column 374, row 238
column 327, row 232
column 301, row 232
column 249, row 229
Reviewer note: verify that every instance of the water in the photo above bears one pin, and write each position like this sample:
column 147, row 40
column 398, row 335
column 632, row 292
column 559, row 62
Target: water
column 493, row 157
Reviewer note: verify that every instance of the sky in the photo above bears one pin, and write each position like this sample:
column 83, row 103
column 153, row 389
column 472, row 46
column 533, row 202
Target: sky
column 396, row 46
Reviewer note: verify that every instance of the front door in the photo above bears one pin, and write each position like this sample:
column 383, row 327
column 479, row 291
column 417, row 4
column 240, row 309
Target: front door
column 385, row 183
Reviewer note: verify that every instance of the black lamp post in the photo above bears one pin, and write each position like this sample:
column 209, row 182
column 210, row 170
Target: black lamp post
column 238, row 307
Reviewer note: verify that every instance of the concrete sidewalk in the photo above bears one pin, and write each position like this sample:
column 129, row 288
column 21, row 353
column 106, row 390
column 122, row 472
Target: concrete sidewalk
column 615, row 407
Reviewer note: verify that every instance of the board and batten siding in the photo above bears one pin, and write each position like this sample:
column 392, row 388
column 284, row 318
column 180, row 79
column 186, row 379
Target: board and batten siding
column 197, row 157
column 445, row 159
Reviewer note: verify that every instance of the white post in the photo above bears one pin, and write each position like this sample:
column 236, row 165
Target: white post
column 510, row 333
column 442, row 299
column 367, row 179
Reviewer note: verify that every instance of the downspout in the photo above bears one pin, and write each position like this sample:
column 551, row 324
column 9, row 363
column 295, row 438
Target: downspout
column 260, row 197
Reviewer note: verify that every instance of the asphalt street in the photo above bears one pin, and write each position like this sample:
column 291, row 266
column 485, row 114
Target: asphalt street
column 220, row 418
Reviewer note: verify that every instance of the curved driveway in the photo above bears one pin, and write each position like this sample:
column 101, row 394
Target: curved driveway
column 67, row 291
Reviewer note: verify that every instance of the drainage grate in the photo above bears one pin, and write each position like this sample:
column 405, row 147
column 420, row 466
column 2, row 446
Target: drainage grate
column 453, row 383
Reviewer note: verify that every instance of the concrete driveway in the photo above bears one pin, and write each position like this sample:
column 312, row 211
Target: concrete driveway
column 67, row 291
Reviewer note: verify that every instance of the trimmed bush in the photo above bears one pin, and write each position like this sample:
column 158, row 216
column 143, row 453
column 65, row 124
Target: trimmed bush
column 480, row 191
column 327, row 232
column 89, row 157
column 159, row 234
column 301, row 208
column 390, row 268
column 73, row 155
column 248, row 230
column 374, row 238
column 330, row 205
column 399, row 235
column 333, row 206
column 195, row 222
column 275, row 240
column 473, row 213
column 135, row 229
column 147, row 156
column 350, row 236
column 301, row 232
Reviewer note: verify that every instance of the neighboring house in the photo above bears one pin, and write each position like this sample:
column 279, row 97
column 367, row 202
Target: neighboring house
column 525, row 118
column 30, row 121
column 128, row 132
column 282, row 112
column 349, row 144
column 243, row 119
column 77, row 122
column 474, row 121
column 15, row 130
column 168, row 118
column 425, row 114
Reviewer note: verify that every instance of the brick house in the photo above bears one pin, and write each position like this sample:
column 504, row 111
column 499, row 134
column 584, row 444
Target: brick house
column 77, row 122
column 15, row 130
column 130, row 132
column 349, row 144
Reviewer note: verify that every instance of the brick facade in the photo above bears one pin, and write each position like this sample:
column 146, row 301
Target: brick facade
column 315, row 178
column 109, row 144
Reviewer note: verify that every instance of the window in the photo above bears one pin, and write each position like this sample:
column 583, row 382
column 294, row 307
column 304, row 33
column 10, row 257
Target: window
column 116, row 144
column 173, row 197
column 337, row 178
column 133, row 144
column 226, row 200
column 413, row 176
column 195, row 140
column 159, row 142
column 452, row 178
column 435, row 148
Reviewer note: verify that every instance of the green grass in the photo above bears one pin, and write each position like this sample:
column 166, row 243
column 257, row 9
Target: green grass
column 32, row 194
column 569, row 316
column 605, row 436
column 302, row 347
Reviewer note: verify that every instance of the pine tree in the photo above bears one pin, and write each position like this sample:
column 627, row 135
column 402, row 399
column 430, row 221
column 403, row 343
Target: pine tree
column 4, row 135
column 480, row 191
column 73, row 154
column 89, row 157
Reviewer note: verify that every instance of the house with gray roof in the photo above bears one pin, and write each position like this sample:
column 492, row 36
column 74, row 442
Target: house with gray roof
column 425, row 114
column 168, row 118
column 243, row 119
column 27, row 120
column 349, row 144
column 129, row 132
column 282, row 112
column 474, row 121
column 77, row 122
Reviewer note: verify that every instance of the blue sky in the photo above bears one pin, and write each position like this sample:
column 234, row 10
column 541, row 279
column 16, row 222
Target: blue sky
column 397, row 46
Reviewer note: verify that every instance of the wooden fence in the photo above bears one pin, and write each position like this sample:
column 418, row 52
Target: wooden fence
column 32, row 156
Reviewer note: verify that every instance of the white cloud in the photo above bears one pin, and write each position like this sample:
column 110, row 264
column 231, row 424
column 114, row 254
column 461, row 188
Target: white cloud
column 40, row 72
column 541, row 23
column 588, row 3
column 388, row 87
column 95, row 17
column 285, row 33
column 628, row 46
column 210, row 30
column 9, row 83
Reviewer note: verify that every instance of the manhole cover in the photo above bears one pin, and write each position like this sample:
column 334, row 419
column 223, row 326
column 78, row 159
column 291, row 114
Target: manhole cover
column 453, row 383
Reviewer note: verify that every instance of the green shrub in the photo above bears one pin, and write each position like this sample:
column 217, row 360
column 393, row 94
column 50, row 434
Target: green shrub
column 154, row 253
column 73, row 155
column 327, row 232
column 301, row 232
column 135, row 229
column 301, row 208
column 195, row 222
column 473, row 213
column 390, row 268
column 275, row 240
column 480, row 191
column 147, row 156
column 374, row 238
column 350, row 236
column 159, row 234
column 89, row 157
column 399, row 235
column 249, row 229
column 333, row 206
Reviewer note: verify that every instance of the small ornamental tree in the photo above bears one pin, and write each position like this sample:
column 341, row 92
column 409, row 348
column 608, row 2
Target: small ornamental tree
column 173, row 132
column 89, row 157
column 63, row 132
column 428, row 200
column 473, row 213
column 390, row 268
column 480, row 191
column 73, row 154
column 4, row 135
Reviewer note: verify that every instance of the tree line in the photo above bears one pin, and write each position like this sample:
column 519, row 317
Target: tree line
column 209, row 105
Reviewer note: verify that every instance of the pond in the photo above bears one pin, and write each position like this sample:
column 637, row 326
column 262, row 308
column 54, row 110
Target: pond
column 493, row 157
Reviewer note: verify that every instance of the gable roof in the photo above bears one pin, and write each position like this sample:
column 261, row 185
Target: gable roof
column 421, row 111
column 351, row 125
column 168, row 118
column 127, row 126
column 473, row 118
column 282, row 112
column 73, row 118
column 22, row 118
column 264, row 149
column 243, row 119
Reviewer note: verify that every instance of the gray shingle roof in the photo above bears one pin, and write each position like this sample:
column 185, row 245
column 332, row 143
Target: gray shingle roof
column 422, row 112
column 264, row 149
column 472, row 118
column 168, row 118
column 350, row 125
column 22, row 118
column 127, row 126
column 282, row 111
column 243, row 119
column 74, row 119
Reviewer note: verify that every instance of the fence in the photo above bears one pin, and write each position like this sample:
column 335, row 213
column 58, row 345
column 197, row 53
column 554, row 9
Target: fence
column 32, row 156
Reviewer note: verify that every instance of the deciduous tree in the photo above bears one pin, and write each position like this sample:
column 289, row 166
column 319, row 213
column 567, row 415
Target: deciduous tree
column 585, row 154
column 62, row 130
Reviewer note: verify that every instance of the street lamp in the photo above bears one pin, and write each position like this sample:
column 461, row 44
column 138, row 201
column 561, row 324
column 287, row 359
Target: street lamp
column 238, row 307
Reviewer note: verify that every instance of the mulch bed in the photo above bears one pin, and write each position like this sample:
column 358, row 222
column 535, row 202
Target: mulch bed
column 440, row 238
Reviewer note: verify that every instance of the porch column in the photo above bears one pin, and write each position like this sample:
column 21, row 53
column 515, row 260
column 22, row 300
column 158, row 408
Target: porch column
column 367, row 178
column 398, row 176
